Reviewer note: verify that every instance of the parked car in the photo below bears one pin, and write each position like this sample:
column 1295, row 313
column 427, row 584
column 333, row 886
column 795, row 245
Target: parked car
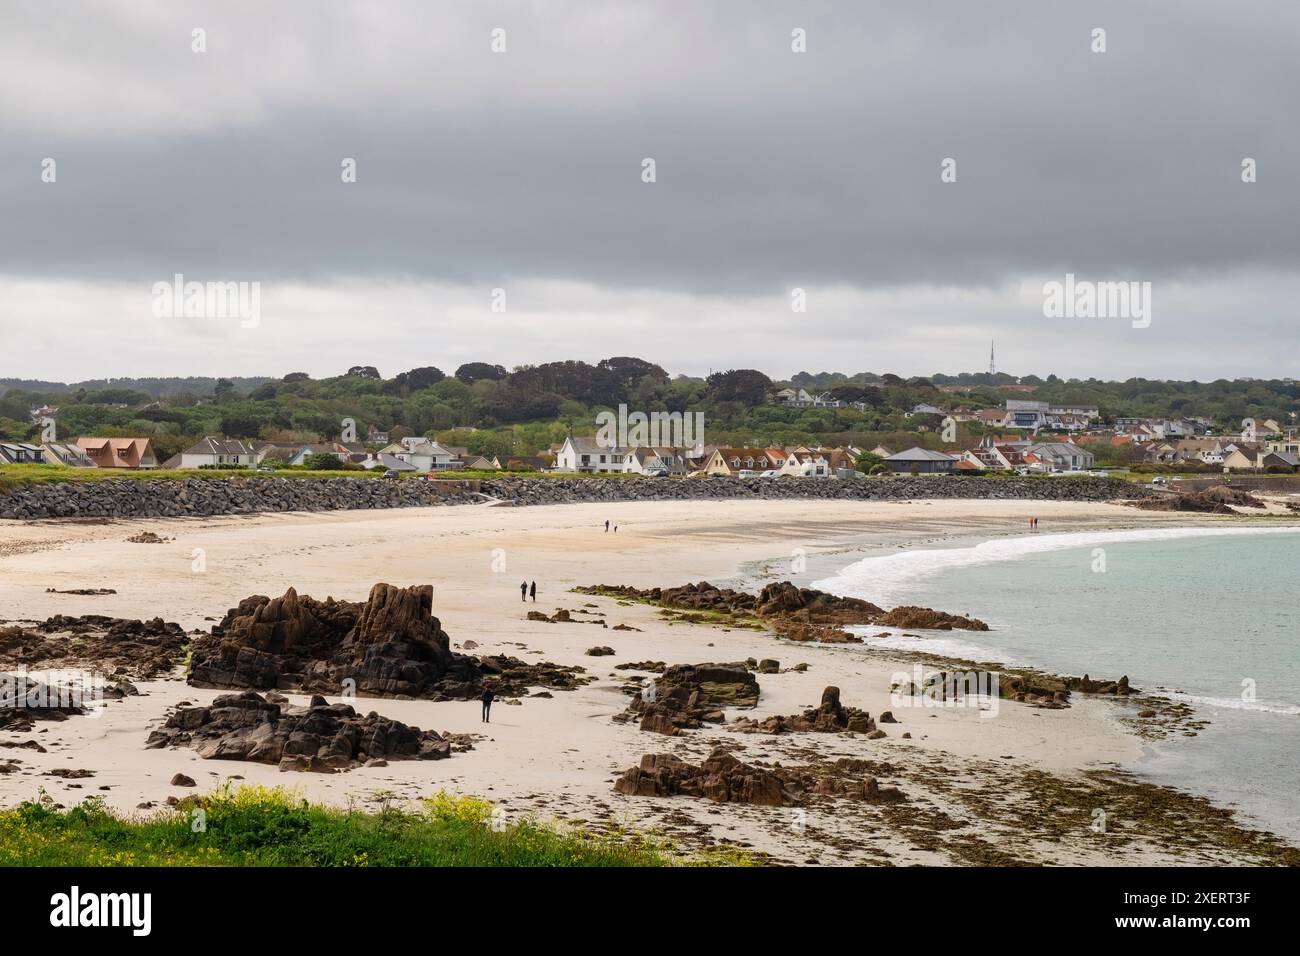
column 770, row 473
column 657, row 473
column 392, row 473
column 747, row 474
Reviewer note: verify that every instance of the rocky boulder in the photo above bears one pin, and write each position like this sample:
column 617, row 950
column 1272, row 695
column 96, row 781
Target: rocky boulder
column 908, row 616
column 321, row 737
column 119, row 647
column 830, row 717
column 389, row 645
column 724, row 778
column 686, row 696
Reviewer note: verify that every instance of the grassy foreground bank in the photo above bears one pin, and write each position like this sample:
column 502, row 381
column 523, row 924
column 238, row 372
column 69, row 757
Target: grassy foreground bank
column 259, row 826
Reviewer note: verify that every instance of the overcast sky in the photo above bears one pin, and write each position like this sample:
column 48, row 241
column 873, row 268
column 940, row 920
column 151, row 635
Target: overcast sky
column 775, row 170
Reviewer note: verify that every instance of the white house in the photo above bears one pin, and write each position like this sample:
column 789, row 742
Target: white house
column 1062, row 456
column 1024, row 413
column 423, row 454
column 213, row 452
column 806, row 464
column 588, row 456
column 650, row 461
column 802, row 398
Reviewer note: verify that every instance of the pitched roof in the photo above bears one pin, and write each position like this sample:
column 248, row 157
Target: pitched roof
column 383, row 460
column 220, row 446
column 920, row 454
column 592, row 446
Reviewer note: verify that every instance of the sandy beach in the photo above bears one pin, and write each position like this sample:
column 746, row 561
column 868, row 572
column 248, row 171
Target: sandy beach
column 979, row 789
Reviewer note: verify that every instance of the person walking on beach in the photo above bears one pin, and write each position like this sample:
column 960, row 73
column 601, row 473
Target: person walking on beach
column 532, row 591
column 487, row 697
column 523, row 591
column 607, row 526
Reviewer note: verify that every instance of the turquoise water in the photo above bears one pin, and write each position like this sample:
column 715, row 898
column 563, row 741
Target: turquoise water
column 1209, row 618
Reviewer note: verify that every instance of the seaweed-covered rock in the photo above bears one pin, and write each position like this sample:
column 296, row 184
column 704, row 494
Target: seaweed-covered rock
column 908, row 616
column 797, row 614
column 830, row 717
column 120, row 647
column 686, row 696
column 724, row 778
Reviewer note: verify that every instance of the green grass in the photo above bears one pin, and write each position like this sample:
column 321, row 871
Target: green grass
column 259, row 826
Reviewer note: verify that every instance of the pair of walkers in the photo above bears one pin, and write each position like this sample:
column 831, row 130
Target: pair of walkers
column 525, row 590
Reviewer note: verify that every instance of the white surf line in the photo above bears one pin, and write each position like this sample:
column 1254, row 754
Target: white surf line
column 878, row 578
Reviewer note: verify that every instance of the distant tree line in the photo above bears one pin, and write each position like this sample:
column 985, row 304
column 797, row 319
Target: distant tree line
column 495, row 411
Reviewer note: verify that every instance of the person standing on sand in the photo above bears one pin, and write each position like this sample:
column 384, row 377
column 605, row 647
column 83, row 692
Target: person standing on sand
column 487, row 697
column 532, row 592
column 607, row 526
column 523, row 591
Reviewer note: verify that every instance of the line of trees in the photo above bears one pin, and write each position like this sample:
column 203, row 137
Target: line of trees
column 495, row 411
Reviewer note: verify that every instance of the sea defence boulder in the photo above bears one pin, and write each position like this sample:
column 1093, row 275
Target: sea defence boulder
column 182, row 497
column 390, row 645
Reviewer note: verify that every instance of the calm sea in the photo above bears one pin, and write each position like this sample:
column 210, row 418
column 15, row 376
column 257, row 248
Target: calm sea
column 1206, row 615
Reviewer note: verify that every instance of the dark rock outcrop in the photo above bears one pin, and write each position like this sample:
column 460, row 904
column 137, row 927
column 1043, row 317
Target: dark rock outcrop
column 687, row 696
column 1220, row 499
column 797, row 614
column 908, row 616
column 724, row 778
column 119, row 647
column 830, row 717
column 322, row 737
column 387, row 646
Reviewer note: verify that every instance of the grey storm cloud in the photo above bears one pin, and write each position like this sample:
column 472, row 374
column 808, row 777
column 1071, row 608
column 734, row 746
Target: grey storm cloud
column 774, row 169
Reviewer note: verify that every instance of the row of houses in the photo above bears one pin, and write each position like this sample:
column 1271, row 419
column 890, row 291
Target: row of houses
column 1232, row 454
column 88, row 452
column 802, row 398
column 1032, row 416
column 407, row 455
column 996, row 454
column 579, row 455
column 414, row 454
